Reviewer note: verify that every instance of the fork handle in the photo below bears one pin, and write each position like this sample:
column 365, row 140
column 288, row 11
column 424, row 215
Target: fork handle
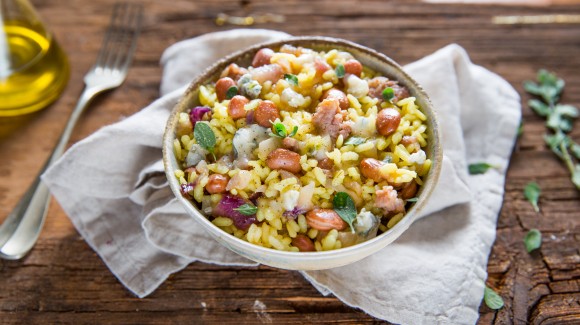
column 21, row 229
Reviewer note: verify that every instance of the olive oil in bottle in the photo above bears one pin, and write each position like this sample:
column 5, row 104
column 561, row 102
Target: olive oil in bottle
column 33, row 69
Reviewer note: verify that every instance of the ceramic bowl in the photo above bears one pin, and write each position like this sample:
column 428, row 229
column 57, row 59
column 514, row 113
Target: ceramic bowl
column 307, row 260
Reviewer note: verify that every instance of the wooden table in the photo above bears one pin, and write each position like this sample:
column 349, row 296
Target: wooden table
column 63, row 281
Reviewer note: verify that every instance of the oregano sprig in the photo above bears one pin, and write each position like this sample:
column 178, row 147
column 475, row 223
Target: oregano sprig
column 559, row 119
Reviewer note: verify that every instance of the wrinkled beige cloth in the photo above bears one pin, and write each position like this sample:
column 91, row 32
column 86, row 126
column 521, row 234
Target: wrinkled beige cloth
column 113, row 188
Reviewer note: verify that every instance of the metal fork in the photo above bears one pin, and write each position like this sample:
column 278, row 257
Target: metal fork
column 21, row 229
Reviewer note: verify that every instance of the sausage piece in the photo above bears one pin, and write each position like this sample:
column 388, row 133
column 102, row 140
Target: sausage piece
column 339, row 95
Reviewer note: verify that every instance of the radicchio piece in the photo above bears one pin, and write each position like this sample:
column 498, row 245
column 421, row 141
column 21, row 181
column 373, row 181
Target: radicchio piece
column 225, row 208
column 197, row 114
column 186, row 188
column 294, row 213
column 250, row 117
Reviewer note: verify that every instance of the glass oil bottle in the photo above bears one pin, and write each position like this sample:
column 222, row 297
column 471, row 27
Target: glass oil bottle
column 33, row 68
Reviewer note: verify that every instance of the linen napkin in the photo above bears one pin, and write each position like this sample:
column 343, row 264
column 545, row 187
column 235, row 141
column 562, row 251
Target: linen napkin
column 113, row 188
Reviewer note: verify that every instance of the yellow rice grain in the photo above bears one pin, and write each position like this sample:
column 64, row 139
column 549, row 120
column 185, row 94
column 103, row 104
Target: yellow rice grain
column 364, row 147
column 276, row 223
column 198, row 191
column 349, row 156
column 394, row 220
column 179, row 173
column 329, row 240
column 396, row 137
column 222, row 221
column 338, row 178
column 277, row 244
column 302, row 223
column 327, row 85
column 265, row 233
column 425, row 168
column 317, row 246
column 353, row 172
column 312, row 233
column 206, row 96
column 239, row 233
column 339, row 141
column 319, row 175
column 353, row 102
column 254, row 234
column 177, row 149
column 286, row 240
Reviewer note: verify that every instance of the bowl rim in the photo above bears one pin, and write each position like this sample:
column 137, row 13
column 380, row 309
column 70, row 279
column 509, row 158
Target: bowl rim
column 219, row 65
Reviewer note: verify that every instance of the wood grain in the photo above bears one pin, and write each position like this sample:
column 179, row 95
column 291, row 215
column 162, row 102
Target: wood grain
column 64, row 281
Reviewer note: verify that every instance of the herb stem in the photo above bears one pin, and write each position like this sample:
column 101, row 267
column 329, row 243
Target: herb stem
column 566, row 157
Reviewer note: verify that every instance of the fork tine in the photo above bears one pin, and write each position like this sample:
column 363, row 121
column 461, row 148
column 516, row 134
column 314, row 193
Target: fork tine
column 103, row 52
column 121, row 38
column 130, row 35
column 116, row 40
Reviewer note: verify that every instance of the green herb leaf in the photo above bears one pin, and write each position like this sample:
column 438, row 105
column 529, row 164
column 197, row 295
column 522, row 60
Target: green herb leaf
column 532, row 88
column 292, row 79
column 355, row 141
column 413, row 199
column 344, row 206
column 388, row 94
column 559, row 118
column 554, row 141
column 532, row 193
column 340, row 72
column 294, row 131
column 479, row 168
column 279, row 130
column 492, row 299
column 533, row 240
column 204, row 136
column 539, row 107
column 567, row 111
column 232, row 91
column 247, row 209
column 521, row 128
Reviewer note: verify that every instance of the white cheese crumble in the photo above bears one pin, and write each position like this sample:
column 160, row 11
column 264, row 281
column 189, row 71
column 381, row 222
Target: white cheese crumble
column 356, row 86
column 418, row 157
column 292, row 98
column 290, row 199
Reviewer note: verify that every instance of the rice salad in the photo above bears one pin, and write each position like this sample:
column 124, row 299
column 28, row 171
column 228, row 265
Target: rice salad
column 302, row 151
